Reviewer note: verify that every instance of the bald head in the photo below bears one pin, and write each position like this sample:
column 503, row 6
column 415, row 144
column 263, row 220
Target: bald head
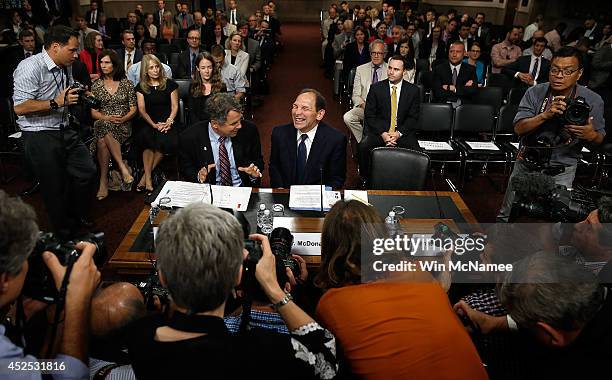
column 114, row 307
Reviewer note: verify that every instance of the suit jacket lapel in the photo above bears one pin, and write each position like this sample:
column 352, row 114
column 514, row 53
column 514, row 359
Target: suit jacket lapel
column 292, row 153
column 386, row 98
column 315, row 152
column 207, row 155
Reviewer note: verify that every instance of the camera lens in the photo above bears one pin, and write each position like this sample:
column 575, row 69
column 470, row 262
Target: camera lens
column 281, row 241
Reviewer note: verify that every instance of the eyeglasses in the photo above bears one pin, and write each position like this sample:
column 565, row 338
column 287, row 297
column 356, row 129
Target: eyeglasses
column 377, row 53
column 475, row 51
column 566, row 72
column 193, row 38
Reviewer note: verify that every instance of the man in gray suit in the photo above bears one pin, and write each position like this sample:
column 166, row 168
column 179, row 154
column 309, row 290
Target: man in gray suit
column 250, row 46
column 365, row 75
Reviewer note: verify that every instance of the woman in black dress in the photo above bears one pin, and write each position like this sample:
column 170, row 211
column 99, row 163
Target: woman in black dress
column 206, row 82
column 158, row 104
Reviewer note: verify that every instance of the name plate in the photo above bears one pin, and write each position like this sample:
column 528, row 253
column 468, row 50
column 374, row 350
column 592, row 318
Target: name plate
column 306, row 244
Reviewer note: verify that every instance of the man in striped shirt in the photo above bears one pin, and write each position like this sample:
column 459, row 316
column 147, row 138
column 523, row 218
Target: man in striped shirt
column 55, row 152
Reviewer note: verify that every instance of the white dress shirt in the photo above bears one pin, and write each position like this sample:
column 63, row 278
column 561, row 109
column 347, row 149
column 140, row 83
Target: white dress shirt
column 398, row 91
column 458, row 67
column 533, row 60
column 308, row 142
column 125, row 58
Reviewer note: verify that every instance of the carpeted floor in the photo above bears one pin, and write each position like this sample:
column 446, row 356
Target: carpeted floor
column 296, row 67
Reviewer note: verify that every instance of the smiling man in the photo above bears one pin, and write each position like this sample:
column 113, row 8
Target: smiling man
column 308, row 151
column 223, row 151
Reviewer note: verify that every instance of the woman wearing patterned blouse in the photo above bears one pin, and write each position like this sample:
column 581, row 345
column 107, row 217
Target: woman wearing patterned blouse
column 112, row 121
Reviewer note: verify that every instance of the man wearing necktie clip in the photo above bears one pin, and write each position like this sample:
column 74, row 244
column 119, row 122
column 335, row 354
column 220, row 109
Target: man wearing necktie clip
column 391, row 113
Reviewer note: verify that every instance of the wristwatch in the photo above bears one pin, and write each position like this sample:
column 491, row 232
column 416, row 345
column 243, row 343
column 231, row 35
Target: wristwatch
column 288, row 297
column 53, row 104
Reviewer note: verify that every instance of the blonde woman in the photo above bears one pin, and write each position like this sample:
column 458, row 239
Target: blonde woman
column 235, row 55
column 374, row 14
column 169, row 29
column 158, row 104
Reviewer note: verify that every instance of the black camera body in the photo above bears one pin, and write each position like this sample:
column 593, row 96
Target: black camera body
column 152, row 287
column 281, row 242
column 577, row 111
column 39, row 283
column 87, row 100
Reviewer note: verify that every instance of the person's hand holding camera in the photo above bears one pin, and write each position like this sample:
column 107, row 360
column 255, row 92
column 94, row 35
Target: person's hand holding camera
column 557, row 108
column 84, row 277
column 584, row 132
column 71, row 98
column 293, row 281
column 265, row 271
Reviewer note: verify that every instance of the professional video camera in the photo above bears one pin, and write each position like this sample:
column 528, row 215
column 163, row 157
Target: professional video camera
column 88, row 100
column 539, row 144
column 539, row 197
column 39, row 283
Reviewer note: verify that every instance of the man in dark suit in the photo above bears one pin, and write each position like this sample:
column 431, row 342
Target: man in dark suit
column 12, row 56
column 397, row 32
column 128, row 53
column 186, row 63
column 158, row 15
column 391, row 113
column 529, row 70
column 455, row 81
column 307, row 152
column 92, row 16
column 463, row 37
column 483, row 33
column 223, row 151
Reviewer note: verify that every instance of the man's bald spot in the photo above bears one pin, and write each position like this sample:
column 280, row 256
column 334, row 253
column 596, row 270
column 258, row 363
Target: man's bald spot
column 114, row 307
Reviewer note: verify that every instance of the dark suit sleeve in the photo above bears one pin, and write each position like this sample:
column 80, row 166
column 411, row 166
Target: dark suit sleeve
column 337, row 174
column 511, row 69
column 188, row 160
column 468, row 91
column 412, row 111
column 254, row 156
column 182, row 67
column 440, row 94
column 276, row 179
column 376, row 125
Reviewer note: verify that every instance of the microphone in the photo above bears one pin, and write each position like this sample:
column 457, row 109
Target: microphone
column 528, row 185
column 433, row 183
column 321, row 184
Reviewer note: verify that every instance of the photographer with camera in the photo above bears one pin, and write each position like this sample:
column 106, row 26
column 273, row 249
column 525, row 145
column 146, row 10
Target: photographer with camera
column 200, row 253
column 18, row 236
column 53, row 149
column 554, row 120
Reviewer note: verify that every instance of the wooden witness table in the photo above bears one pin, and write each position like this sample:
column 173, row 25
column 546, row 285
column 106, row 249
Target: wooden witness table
column 134, row 255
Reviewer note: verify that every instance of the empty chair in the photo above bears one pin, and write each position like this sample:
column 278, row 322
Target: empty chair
column 174, row 58
column 492, row 96
column 515, row 95
column 499, row 80
column 183, row 87
column 398, row 169
column 426, row 79
column 504, row 130
column 421, row 93
column 349, row 86
column 422, row 64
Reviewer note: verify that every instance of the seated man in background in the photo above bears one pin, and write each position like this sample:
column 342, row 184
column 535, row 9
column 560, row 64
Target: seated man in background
column 186, row 63
column 223, row 151
column 455, row 82
column 235, row 82
column 19, row 233
column 529, row 70
column 307, row 152
column 507, row 51
column 200, row 253
column 391, row 113
column 148, row 47
column 537, row 34
column 365, row 76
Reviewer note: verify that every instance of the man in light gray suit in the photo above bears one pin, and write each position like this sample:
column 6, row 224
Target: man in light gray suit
column 365, row 75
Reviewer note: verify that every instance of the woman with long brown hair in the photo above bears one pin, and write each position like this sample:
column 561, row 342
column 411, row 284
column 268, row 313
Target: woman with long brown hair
column 112, row 124
column 90, row 56
column 206, row 82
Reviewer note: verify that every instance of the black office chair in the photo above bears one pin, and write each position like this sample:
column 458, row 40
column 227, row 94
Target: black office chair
column 422, row 65
column 435, row 125
column 471, row 122
column 421, row 93
column 174, row 58
column 183, row 89
column 499, row 80
column 426, row 79
column 493, row 96
column 10, row 145
column 515, row 95
column 180, row 42
column 398, row 169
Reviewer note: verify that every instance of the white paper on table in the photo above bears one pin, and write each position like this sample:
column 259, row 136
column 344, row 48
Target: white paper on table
column 308, row 197
column 585, row 150
column 183, row 193
column 16, row 135
column 358, row 195
column 306, row 244
column 435, row 145
column 482, row 145
column 516, row 145
column 236, row 198
column 282, row 221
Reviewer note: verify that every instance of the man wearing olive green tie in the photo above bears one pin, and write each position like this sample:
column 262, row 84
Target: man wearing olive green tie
column 391, row 114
